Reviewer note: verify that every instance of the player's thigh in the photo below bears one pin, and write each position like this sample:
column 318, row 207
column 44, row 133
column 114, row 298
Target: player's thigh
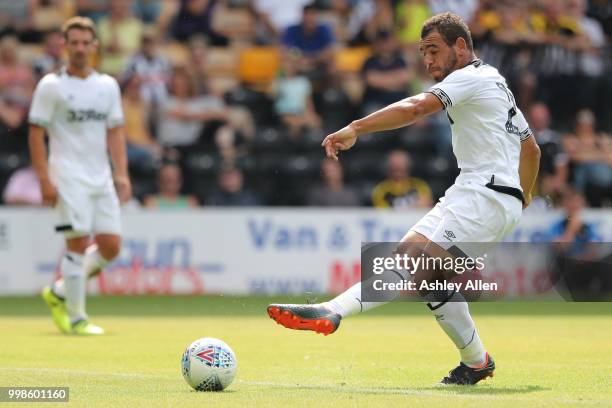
column 74, row 211
column 107, row 212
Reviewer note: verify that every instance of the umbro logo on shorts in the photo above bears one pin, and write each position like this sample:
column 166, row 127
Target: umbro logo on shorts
column 450, row 235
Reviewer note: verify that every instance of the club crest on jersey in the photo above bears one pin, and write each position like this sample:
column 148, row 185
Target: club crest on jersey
column 85, row 115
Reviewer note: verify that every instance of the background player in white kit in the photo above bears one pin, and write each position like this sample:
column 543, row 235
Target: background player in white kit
column 499, row 161
column 81, row 111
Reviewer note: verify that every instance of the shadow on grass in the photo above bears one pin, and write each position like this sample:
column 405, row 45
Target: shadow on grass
column 430, row 390
column 489, row 390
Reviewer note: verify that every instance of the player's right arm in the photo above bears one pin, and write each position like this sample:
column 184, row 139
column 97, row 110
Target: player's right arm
column 41, row 114
column 38, row 155
column 529, row 166
column 396, row 115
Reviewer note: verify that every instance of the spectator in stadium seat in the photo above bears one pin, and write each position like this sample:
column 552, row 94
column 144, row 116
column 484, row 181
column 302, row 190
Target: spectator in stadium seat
column 170, row 181
column 399, row 190
column 142, row 149
column 23, row 188
column 152, row 69
column 411, row 14
column 332, row 192
column 195, row 17
column 274, row 16
column 230, row 190
column 294, row 99
column 94, row 9
column 572, row 228
column 16, row 18
column 147, row 10
column 590, row 156
column 312, row 41
column 119, row 35
column 51, row 60
column 553, row 172
column 386, row 74
column 16, row 86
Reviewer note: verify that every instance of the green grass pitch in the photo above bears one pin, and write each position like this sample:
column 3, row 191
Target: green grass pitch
column 547, row 355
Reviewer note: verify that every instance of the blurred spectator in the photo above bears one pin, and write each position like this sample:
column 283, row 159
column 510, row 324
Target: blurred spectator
column 147, row 10
column 16, row 17
column 601, row 10
column 312, row 41
column 182, row 116
column 195, row 17
column 51, row 60
column 230, row 191
column 152, row 69
column 170, row 181
column 120, row 35
column 23, row 188
column 553, row 161
column 368, row 17
column 274, row 16
column 294, row 99
column 142, row 149
column 572, row 228
column 16, row 86
column 399, row 190
column 411, row 14
column 465, row 8
column 332, row 192
column 94, row 9
column 591, row 58
column 386, row 75
column 198, row 64
column 590, row 154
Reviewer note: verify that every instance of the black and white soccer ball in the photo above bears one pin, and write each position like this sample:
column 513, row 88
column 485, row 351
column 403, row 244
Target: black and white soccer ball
column 209, row 364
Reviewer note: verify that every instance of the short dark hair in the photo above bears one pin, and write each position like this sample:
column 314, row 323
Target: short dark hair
column 450, row 26
column 79, row 23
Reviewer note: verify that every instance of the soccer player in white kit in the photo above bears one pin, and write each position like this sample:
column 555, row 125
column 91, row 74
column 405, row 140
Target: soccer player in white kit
column 499, row 161
column 80, row 109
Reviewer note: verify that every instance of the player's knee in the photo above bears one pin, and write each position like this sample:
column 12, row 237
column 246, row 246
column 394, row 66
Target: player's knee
column 77, row 245
column 109, row 249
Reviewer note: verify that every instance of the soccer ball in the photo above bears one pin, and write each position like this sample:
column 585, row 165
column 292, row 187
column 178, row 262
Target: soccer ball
column 209, row 364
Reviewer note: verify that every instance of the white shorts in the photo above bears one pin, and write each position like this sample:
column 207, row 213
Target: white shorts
column 470, row 217
column 83, row 210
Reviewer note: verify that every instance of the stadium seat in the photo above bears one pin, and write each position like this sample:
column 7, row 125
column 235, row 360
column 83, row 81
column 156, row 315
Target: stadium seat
column 176, row 53
column 237, row 23
column 258, row 65
column 222, row 60
column 350, row 60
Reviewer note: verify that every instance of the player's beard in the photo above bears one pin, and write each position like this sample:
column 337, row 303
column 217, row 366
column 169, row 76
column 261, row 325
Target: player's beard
column 451, row 63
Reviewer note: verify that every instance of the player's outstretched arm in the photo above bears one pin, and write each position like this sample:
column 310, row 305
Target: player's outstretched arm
column 396, row 115
column 529, row 166
column 38, row 155
column 117, row 150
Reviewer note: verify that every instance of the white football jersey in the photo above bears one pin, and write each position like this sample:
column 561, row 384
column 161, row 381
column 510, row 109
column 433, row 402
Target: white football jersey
column 486, row 125
column 77, row 113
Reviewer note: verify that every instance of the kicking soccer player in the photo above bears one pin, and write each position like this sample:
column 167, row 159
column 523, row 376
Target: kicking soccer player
column 499, row 161
column 81, row 111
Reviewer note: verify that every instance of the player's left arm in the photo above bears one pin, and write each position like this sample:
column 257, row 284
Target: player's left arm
column 118, row 154
column 529, row 166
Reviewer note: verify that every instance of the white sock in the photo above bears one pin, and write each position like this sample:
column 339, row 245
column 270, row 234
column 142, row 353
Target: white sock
column 74, row 285
column 93, row 263
column 454, row 318
column 349, row 302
